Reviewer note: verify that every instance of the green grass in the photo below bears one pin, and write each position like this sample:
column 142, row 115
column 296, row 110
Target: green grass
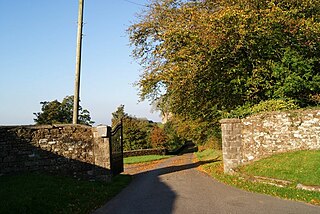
column 144, row 158
column 215, row 170
column 41, row 193
column 298, row 167
column 208, row 154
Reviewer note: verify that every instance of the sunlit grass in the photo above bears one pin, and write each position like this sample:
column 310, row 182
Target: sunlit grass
column 144, row 158
column 215, row 170
column 299, row 167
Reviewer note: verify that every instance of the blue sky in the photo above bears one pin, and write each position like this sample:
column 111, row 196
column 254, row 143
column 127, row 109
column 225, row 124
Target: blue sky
column 37, row 58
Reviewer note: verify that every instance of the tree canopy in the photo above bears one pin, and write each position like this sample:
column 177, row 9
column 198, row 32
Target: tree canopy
column 204, row 57
column 140, row 133
column 118, row 115
column 136, row 131
column 55, row 112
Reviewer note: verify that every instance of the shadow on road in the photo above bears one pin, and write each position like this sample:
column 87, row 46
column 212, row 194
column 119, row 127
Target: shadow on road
column 148, row 193
column 174, row 168
column 171, row 169
column 172, row 187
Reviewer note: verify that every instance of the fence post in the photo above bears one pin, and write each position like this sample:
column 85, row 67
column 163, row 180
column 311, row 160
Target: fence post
column 231, row 144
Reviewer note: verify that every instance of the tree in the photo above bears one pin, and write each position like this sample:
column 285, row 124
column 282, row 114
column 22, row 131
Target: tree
column 54, row 112
column 174, row 139
column 136, row 131
column 158, row 137
column 118, row 115
column 203, row 58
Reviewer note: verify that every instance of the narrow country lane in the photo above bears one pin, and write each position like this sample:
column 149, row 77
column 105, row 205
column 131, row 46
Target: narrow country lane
column 176, row 186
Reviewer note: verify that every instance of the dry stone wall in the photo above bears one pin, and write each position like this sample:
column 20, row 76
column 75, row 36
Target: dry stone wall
column 64, row 149
column 262, row 135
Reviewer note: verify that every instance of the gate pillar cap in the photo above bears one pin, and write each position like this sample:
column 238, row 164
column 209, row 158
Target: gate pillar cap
column 102, row 130
column 230, row 120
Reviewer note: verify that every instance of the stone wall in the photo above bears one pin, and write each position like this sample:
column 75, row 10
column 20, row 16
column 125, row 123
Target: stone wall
column 63, row 149
column 262, row 135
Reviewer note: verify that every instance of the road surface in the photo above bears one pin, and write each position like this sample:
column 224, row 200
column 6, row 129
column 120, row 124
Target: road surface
column 176, row 186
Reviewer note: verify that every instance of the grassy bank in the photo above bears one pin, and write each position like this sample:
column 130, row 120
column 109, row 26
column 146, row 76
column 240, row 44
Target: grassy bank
column 297, row 167
column 307, row 174
column 145, row 158
column 41, row 193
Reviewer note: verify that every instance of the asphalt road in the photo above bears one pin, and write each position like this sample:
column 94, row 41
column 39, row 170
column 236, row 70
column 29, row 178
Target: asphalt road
column 176, row 186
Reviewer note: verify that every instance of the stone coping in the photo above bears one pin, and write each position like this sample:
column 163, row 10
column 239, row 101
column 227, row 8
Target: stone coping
column 45, row 126
column 231, row 120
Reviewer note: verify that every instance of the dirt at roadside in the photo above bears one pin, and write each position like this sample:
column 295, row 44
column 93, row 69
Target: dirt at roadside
column 133, row 169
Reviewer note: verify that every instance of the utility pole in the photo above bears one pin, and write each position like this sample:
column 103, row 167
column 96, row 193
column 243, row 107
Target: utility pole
column 78, row 64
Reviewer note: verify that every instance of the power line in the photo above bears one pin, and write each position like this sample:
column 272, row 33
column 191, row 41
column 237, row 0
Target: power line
column 132, row 2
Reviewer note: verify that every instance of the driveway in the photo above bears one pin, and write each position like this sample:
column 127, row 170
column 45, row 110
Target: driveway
column 176, row 186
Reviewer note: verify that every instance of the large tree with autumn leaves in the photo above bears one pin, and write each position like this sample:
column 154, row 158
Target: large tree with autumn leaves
column 204, row 57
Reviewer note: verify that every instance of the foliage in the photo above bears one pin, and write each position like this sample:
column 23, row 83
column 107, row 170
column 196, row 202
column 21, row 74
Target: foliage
column 263, row 106
column 198, row 131
column 118, row 115
column 39, row 193
column 205, row 58
column 174, row 140
column 215, row 170
column 296, row 78
column 315, row 98
column 144, row 134
column 158, row 137
column 54, row 112
column 136, row 131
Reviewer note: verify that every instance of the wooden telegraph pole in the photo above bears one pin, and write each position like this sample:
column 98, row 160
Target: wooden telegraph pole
column 78, row 64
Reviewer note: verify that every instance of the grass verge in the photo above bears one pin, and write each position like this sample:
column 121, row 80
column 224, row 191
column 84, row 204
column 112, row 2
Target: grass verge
column 144, row 158
column 298, row 167
column 41, row 193
column 215, row 169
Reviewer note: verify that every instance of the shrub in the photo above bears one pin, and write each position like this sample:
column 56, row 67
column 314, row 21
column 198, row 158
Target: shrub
column 263, row 106
column 158, row 137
